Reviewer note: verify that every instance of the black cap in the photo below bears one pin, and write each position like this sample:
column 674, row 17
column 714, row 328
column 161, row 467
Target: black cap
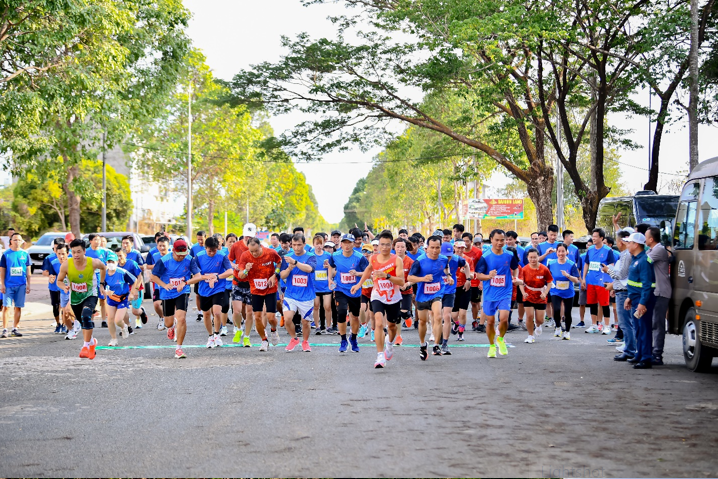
column 336, row 232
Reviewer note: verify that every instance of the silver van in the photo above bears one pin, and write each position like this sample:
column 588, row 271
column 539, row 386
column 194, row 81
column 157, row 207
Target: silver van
column 694, row 274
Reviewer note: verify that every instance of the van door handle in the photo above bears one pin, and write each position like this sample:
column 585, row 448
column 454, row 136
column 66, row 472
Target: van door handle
column 690, row 279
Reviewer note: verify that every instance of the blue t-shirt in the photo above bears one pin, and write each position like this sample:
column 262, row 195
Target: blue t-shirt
column 120, row 282
column 563, row 287
column 501, row 287
column 520, row 251
column 455, row 263
column 594, row 259
column 47, row 266
column 132, row 267
column 343, row 265
column 171, row 272
column 196, row 249
column 54, row 270
column 573, row 253
column 217, row 264
column 321, row 275
column 228, row 281
column 545, row 246
column 300, row 285
column 427, row 291
column 415, row 256
column 100, row 254
column 15, row 264
column 136, row 256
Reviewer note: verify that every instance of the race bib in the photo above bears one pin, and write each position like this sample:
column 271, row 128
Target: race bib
column 346, row 278
column 321, row 275
column 562, row 285
column 368, row 284
column 260, row 283
column 594, row 266
column 78, row 287
column 432, row 288
column 300, row 280
column 174, row 282
column 498, row 281
column 16, row 271
column 384, row 285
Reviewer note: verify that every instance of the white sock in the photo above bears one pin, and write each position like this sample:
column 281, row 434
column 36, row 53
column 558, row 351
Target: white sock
column 86, row 344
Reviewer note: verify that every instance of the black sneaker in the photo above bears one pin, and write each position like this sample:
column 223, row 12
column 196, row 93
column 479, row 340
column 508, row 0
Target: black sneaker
column 437, row 350
column 481, row 328
column 512, row 327
column 199, row 317
column 416, row 324
column 445, row 350
column 229, row 320
column 130, row 330
column 423, row 353
column 318, row 332
column 454, row 328
column 104, row 324
column 143, row 316
column 16, row 333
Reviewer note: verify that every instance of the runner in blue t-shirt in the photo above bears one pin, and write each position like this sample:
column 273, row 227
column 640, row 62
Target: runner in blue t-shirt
column 215, row 268
column 134, row 269
column 456, row 263
column 96, row 251
column 498, row 269
column 323, row 295
column 428, row 273
column 565, row 274
column 163, row 246
column 298, row 267
column 120, row 287
column 593, row 279
column 48, row 270
column 547, row 254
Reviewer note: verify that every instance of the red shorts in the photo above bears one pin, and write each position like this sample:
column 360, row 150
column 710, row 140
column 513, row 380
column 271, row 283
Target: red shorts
column 597, row 294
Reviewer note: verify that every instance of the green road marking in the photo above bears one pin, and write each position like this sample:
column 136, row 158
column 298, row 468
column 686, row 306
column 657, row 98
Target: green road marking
column 321, row 345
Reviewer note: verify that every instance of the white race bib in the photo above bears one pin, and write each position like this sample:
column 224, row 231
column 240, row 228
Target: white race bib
column 16, row 271
column 174, row 282
column 320, row 275
column 300, row 280
column 79, row 287
column 498, row 281
column 594, row 266
column 384, row 285
column 432, row 288
column 562, row 285
column 346, row 278
column 260, row 283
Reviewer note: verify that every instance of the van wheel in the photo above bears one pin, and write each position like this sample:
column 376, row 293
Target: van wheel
column 698, row 357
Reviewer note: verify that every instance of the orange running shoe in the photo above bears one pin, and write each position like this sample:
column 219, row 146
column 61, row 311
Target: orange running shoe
column 91, row 354
column 408, row 322
column 85, row 352
column 281, row 322
column 398, row 340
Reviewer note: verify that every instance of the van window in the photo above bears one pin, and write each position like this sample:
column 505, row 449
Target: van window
column 684, row 232
column 708, row 232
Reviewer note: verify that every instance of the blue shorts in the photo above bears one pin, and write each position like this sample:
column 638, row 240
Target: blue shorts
column 137, row 303
column 119, row 305
column 490, row 307
column 64, row 299
column 100, row 291
column 14, row 296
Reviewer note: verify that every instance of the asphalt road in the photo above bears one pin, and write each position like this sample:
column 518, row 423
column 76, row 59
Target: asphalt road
column 551, row 409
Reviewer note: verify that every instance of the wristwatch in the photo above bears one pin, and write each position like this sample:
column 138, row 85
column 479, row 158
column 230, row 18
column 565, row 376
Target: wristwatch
column 387, row 275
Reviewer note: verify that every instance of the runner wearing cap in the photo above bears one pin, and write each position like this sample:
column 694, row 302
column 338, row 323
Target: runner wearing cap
column 120, row 286
column 375, row 246
column 258, row 265
column 163, row 247
column 456, row 263
column 241, row 292
column 428, row 273
column 463, row 291
column 387, row 273
column 70, row 324
column 214, row 267
column 174, row 273
column 196, row 249
column 345, row 269
column 323, row 295
column 336, row 237
column 593, row 280
column 297, row 269
column 407, row 293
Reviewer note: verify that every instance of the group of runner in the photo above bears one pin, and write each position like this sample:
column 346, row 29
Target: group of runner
column 352, row 284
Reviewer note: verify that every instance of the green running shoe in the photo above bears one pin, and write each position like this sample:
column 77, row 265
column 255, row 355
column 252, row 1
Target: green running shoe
column 502, row 346
column 237, row 336
column 492, row 351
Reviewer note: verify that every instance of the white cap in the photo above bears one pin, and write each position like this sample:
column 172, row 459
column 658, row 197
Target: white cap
column 637, row 238
column 330, row 244
column 250, row 230
column 629, row 230
column 375, row 242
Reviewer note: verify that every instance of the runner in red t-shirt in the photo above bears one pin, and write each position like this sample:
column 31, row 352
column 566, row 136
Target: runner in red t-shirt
column 241, row 294
column 463, row 292
column 258, row 265
column 537, row 284
column 475, row 253
column 407, row 292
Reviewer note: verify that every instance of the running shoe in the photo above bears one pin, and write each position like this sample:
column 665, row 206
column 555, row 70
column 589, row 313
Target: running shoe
column 592, row 330
column 600, row 326
column 492, row 351
column 372, row 335
column 539, row 330
column 380, row 361
column 560, row 333
column 305, row 347
column 293, row 343
column 461, row 329
column 104, row 324
column 113, row 342
column 454, row 327
column 398, row 340
column 171, row 333
column 362, row 331
column 264, row 346
column 331, row 331
column 217, row 341
column 432, row 338
column 615, row 341
column 355, row 345
column 223, row 331
column 274, row 338
column 138, row 324
column 388, row 349
column 460, row 336
column 199, row 317
column 237, row 336
column 550, row 323
column 512, row 327
column 246, row 342
column 408, row 322
column 143, row 316
column 130, row 329
column 281, row 321
column 313, row 325
column 475, row 326
column 343, row 346
column 530, row 340
column 502, row 346
column 606, row 331
column 179, row 354
column 621, row 349
column 567, row 335
column 229, row 320
column 16, row 333
column 445, row 350
column 71, row 334
column 423, row 351
column 63, row 330
column 58, row 329
column 557, row 332
column 161, row 325
column 85, row 352
column 481, row 328
column 580, row 324
column 93, row 345
column 522, row 325
column 318, row 332
column 210, row 342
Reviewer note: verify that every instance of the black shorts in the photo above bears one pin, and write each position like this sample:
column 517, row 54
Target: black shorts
column 447, row 301
column 321, row 295
column 169, row 306
column 365, row 299
column 536, row 306
column 406, row 302
column 426, row 305
column 347, row 302
column 225, row 301
column 390, row 311
column 90, row 302
column 55, row 298
column 156, row 293
column 196, row 288
column 206, row 302
column 519, row 296
column 463, row 299
column 476, row 294
column 260, row 301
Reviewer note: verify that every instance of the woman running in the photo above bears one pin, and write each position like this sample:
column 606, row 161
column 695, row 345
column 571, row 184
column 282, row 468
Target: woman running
column 564, row 272
column 535, row 288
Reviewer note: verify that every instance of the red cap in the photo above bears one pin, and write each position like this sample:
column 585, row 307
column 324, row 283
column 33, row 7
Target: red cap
column 180, row 247
column 69, row 237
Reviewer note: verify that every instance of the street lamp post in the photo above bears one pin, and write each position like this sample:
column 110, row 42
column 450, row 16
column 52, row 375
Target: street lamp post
column 189, row 162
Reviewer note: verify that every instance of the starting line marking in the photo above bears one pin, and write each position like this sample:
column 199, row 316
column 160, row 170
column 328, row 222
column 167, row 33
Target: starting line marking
column 321, row 345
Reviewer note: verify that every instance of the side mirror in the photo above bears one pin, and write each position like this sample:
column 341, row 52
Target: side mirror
column 144, row 249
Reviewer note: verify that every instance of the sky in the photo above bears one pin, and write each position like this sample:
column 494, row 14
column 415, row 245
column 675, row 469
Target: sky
column 235, row 34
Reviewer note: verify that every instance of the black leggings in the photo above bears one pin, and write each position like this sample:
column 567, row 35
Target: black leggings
column 594, row 310
column 567, row 306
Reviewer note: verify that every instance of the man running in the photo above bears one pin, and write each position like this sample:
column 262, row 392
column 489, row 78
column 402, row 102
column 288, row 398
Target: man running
column 214, row 268
column 135, row 305
column 298, row 267
column 428, row 273
column 82, row 284
column 592, row 278
column 258, row 266
column 463, row 291
column 447, row 302
column 387, row 273
column 14, row 281
column 474, row 251
column 241, row 292
column 197, row 248
column 407, row 293
column 512, row 242
column 120, row 288
column 70, row 324
column 498, row 269
column 47, row 270
column 163, row 246
column 323, row 295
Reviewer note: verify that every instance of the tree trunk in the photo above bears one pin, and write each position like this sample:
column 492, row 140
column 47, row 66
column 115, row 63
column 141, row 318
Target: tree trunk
column 73, row 199
column 652, row 184
column 539, row 190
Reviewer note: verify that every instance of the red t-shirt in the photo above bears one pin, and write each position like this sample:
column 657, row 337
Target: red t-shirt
column 238, row 248
column 407, row 266
column 535, row 278
column 263, row 268
column 475, row 254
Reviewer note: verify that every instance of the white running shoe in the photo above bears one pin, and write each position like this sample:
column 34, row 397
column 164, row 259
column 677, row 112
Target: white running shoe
column 539, row 330
column 278, row 315
column 606, row 331
column 523, row 325
column 264, row 346
column 217, row 341
column 161, row 325
column 274, row 338
column 71, row 334
column 138, row 324
column 530, row 340
column 388, row 349
column 432, row 338
column 210, row 342
column 567, row 335
column 125, row 332
column 593, row 329
column 557, row 332
column 76, row 326
column 550, row 323
column 621, row 349
column 113, row 342
column 223, row 331
column 380, row 361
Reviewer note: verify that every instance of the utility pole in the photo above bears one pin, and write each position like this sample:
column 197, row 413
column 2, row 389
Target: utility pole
column 693, row 100
column 104, row 182
column 189, row 162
